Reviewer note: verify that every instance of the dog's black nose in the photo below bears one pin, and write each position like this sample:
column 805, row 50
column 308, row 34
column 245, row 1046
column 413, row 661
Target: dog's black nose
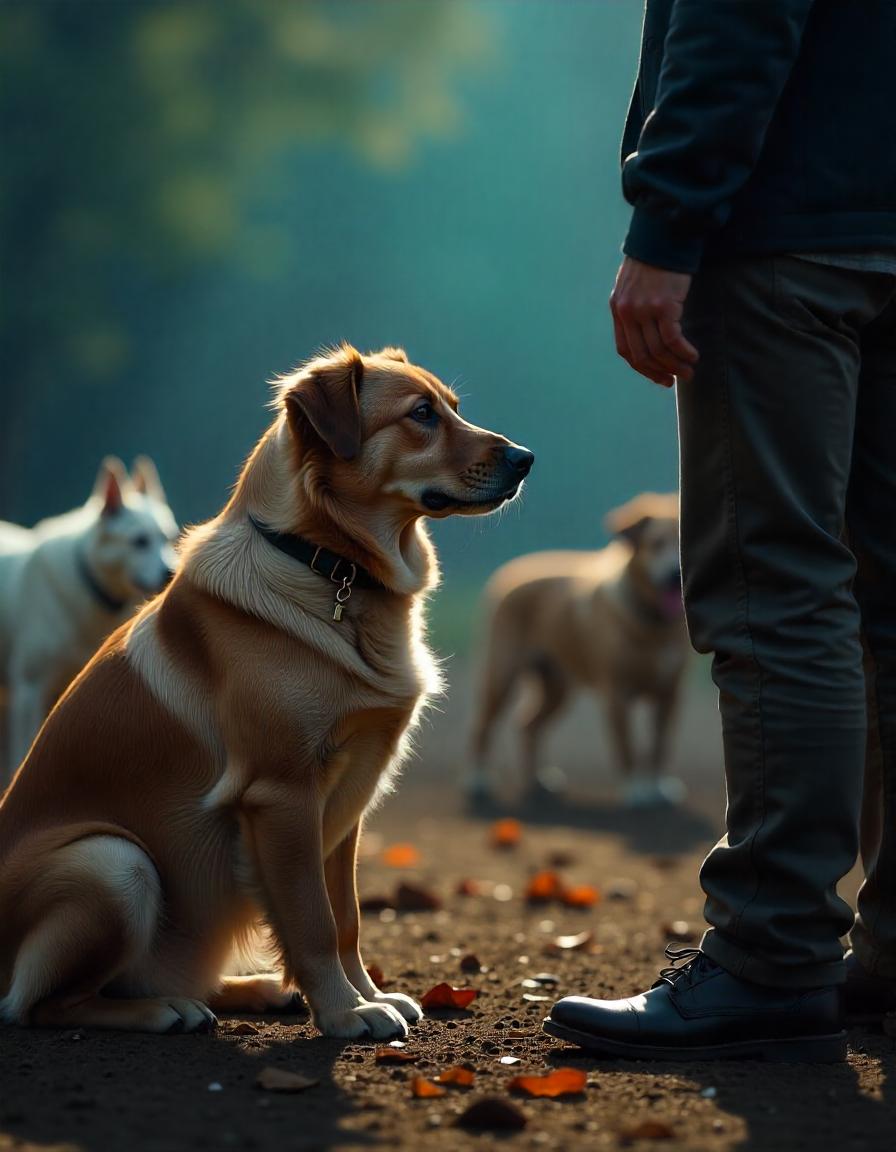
column 519, row 459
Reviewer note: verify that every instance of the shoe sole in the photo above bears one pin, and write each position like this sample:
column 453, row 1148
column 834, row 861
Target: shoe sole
column 829, row 1049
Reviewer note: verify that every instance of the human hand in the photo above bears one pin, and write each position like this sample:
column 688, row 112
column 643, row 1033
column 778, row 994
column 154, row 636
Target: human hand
column 647, row 304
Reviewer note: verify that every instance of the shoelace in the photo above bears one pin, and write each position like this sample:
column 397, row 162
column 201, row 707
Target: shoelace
column 686, row 962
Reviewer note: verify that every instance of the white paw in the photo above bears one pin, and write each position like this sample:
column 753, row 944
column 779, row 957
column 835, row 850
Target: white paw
column 183, row 1015
column 379, row 1021
column 408, row 1007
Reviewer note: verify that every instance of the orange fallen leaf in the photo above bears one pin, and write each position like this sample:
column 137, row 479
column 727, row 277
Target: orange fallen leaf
column 279, row 1080
column 444, row 996
column 456, row 1075
column 543, row 887
column 506, row 833
column 425, row 1088
column 401, row 856
column 393, row 1056
column 581, row 896
column 572, row 943
column 560, row 1082
column 647, row 1130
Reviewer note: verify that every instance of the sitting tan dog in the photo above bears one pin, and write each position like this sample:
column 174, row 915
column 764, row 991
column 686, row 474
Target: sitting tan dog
column 609, row 621
column 210, row 767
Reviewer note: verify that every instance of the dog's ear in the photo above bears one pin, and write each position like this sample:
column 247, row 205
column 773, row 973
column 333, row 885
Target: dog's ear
column 110, row 483
column 390, row 353
column 629, row 520
column 324, row 395
column 145, row 478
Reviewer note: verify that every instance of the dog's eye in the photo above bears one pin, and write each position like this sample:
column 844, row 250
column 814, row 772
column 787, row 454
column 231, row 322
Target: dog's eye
column 141, row 541
column 424, row 413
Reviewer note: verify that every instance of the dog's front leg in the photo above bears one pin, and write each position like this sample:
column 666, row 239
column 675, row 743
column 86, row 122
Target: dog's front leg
column 283, row 831
column 343, row 890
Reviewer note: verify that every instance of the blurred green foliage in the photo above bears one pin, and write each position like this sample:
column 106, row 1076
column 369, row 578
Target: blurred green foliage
column 132, row 133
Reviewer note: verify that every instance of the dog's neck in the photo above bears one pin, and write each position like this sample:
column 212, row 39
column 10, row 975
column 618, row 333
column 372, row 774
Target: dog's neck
column 394, row 547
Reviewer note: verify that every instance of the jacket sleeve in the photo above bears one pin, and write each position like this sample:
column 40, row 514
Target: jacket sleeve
column 725, row 65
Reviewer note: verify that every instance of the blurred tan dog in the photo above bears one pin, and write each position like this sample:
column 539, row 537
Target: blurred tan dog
column 70, row 581
column 210, row 768
column 610, row 621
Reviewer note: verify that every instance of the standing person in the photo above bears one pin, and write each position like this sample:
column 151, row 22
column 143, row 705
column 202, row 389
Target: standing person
column 760, row 272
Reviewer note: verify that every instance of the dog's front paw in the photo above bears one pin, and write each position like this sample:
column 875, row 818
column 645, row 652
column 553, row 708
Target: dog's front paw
column 379, row 1021
column 408, row 1007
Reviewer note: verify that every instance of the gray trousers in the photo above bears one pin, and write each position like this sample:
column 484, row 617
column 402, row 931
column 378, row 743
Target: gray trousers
column 788, row 534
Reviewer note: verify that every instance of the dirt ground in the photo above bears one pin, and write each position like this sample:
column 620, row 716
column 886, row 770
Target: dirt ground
column 99, row 1092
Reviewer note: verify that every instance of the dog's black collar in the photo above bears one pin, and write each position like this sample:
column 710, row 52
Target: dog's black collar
column 320, row 560
column 109, row 602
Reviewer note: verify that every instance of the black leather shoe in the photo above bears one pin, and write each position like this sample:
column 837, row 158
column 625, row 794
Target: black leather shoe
column 698, row 1011
column 866, row 998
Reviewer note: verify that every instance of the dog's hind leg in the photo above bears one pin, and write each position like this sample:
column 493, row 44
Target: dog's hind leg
column 550, row 688
column 499, row 677
column 98, row 903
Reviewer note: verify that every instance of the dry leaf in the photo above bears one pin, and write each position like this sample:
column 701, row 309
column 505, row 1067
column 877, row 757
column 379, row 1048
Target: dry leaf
column 456, row 1075
column 244, row 1028
column 506, row 833
column 376, row 975
column 279, row 1080
column 492, row 1112
column 541, row 980
column 375, row 903
column 560, row 858
column 560, row 1082
column 444, row 996
column 580, row 896
column 413, row 898
column 425, row 1088
column 393, row 1056
column 573, row 943
column 647, row 1130
column 468, row 888
column 544, row 887
column 470, row 963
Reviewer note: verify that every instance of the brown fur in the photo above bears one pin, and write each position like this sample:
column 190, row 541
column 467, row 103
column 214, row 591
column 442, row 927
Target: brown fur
column 603, row 620
column 208, row 771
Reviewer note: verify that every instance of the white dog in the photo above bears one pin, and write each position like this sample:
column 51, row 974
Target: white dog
column 70, row 581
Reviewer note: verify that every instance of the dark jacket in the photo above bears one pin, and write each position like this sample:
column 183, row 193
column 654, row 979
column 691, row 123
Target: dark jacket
column 762, row 126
